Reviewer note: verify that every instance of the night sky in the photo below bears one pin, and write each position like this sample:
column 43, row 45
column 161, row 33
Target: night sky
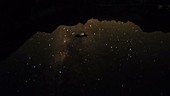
column 20, row 19
column 114, row 59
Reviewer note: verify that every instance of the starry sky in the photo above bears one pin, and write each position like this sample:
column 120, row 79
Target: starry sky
column 115, row 58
